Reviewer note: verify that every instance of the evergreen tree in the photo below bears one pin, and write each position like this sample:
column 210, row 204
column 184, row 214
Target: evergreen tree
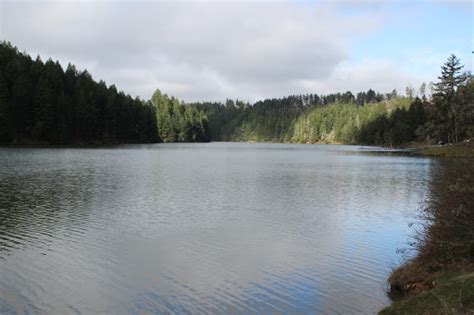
column 178, row 122
column 371, row 96
column 448, row 111
column 42, row 110
column 465, row 99
column 4, row 115
column 41, row 102
column 410, row 92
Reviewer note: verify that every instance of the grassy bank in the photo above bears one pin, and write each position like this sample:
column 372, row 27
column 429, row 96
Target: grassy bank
column 440, row 278
column 461, row 150
column 450, row 293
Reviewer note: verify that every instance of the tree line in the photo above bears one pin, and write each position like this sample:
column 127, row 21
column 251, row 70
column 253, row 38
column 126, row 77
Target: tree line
column 365, row 118
column 178, row 122
column 39, row 102
column 42, row 103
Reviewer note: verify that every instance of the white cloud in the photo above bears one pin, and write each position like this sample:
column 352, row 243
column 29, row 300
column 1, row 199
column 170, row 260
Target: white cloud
column 383, row 76
column 201, row 50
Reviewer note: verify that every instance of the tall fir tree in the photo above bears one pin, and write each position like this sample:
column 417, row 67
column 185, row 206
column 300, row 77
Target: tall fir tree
column 448, row 111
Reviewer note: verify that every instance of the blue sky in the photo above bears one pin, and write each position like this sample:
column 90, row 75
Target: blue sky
column 202, row 50
column 421, row 35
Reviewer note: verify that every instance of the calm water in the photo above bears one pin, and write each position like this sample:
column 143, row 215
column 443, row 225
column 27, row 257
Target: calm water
column 203, row 228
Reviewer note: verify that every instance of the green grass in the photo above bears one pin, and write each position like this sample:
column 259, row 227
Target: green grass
column 462, row 150
column 453, row 293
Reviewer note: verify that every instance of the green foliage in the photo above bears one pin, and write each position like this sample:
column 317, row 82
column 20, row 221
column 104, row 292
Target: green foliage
column 4, row 113
column 309, row 119
column 42, row 102
column 350, row 123
column 449, row 109
column 39, row 102
column 368, row 118
column 394, row 127
column 459, row 150
column 453, row 294
column 439, row 279
column 42, row 107
column 178, row 122
column 465, row 105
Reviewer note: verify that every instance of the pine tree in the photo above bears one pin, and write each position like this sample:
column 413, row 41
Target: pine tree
column 465, row 97
column 371, row 96
column 42, row 109
column 4, row 124
column 410, row 92
column 451, row 76
column 447, row 109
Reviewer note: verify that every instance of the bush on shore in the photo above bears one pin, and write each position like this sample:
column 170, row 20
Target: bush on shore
column 445, row 241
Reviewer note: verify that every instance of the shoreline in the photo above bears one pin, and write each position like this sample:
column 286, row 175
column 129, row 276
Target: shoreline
column 459, row 150
column 439, row 279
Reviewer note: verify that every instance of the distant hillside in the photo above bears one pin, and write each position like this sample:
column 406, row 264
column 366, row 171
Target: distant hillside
column 42, row 103
column 367, row 118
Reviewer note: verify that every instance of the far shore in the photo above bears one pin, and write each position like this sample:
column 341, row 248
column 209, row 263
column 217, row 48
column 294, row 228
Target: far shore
column 459, row 150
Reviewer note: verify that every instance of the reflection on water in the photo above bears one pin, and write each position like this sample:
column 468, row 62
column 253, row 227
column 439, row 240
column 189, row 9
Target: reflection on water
column 202, row 228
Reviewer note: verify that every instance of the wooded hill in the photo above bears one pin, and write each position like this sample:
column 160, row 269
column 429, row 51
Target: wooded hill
column 40, row 102
column 446, row 114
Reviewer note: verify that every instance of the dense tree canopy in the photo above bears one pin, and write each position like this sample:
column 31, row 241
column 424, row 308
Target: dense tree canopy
column 42, row 103
column 335, row 118
column 178, row 122
column 368, row 118
column 39, row 102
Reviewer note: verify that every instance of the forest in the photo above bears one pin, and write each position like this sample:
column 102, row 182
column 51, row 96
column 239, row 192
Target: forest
column 445, row 114
column 177, row 122
column 40, row 103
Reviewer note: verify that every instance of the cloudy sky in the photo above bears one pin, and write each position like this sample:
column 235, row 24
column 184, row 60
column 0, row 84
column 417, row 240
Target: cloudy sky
column 203, row 50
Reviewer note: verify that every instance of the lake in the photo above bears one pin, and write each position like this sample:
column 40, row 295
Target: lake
column 204, row 228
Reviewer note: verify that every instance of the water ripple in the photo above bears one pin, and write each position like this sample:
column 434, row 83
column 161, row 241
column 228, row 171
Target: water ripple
column 202, row 228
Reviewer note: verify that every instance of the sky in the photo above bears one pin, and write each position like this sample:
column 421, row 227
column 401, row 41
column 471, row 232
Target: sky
column 250, row 50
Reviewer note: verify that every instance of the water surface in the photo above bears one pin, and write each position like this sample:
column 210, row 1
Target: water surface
column 203, row 228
